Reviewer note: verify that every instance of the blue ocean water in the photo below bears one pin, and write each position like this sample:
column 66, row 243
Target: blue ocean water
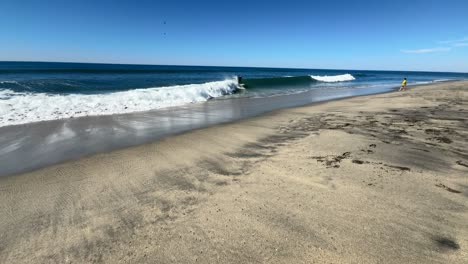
column 38, row 91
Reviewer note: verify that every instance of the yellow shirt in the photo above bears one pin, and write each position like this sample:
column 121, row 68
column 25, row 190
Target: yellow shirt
column 403, row 83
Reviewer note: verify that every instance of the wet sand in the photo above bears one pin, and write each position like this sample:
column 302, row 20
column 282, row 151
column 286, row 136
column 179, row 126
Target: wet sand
column 371, row 179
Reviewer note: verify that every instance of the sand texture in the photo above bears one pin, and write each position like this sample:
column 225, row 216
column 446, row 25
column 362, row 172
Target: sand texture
column 372, row 179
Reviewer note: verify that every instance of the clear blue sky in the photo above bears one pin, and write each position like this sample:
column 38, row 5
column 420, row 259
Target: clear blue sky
column 368, row 34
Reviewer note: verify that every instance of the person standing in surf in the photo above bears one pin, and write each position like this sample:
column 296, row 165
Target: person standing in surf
column 403, row 85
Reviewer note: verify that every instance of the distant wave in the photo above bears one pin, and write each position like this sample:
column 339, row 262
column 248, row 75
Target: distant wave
column 442, row 80
column 333, row 78
column 26, row 107
column 290, row 81
column 16, row 86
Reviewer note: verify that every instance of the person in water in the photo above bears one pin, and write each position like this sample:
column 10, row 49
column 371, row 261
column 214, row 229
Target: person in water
column 403, row 85
column 239, row 80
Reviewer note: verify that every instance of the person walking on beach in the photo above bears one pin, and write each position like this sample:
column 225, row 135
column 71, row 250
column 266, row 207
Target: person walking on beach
column 403, row 85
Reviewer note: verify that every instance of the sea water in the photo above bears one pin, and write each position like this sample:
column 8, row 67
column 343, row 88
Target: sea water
column 41, row 91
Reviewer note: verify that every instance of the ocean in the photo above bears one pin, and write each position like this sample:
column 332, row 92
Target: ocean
column 41, row 91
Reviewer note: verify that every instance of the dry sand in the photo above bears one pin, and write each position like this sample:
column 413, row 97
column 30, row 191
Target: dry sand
column 372, row 179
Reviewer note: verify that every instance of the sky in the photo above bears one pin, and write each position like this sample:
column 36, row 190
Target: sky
column 429, row 35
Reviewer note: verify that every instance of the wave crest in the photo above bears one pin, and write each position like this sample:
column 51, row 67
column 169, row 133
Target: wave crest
column 333, row 78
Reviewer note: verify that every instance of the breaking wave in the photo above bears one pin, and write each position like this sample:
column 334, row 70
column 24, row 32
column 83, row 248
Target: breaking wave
column 290, row 81
column 333, row 78
column 25, row 107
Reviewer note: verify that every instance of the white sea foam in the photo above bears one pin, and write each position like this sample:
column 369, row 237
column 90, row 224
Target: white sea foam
column 420, row 82
column 441, row 80
column 333, row 78
column 20, row 108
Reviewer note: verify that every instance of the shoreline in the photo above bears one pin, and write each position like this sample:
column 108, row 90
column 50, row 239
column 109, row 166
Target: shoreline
column 47, row 143
column 320, row 182
column 57, row 141
column 392, row 89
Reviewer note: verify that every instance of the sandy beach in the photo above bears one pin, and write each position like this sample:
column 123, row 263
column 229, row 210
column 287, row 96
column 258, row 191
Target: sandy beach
column 370, row 179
